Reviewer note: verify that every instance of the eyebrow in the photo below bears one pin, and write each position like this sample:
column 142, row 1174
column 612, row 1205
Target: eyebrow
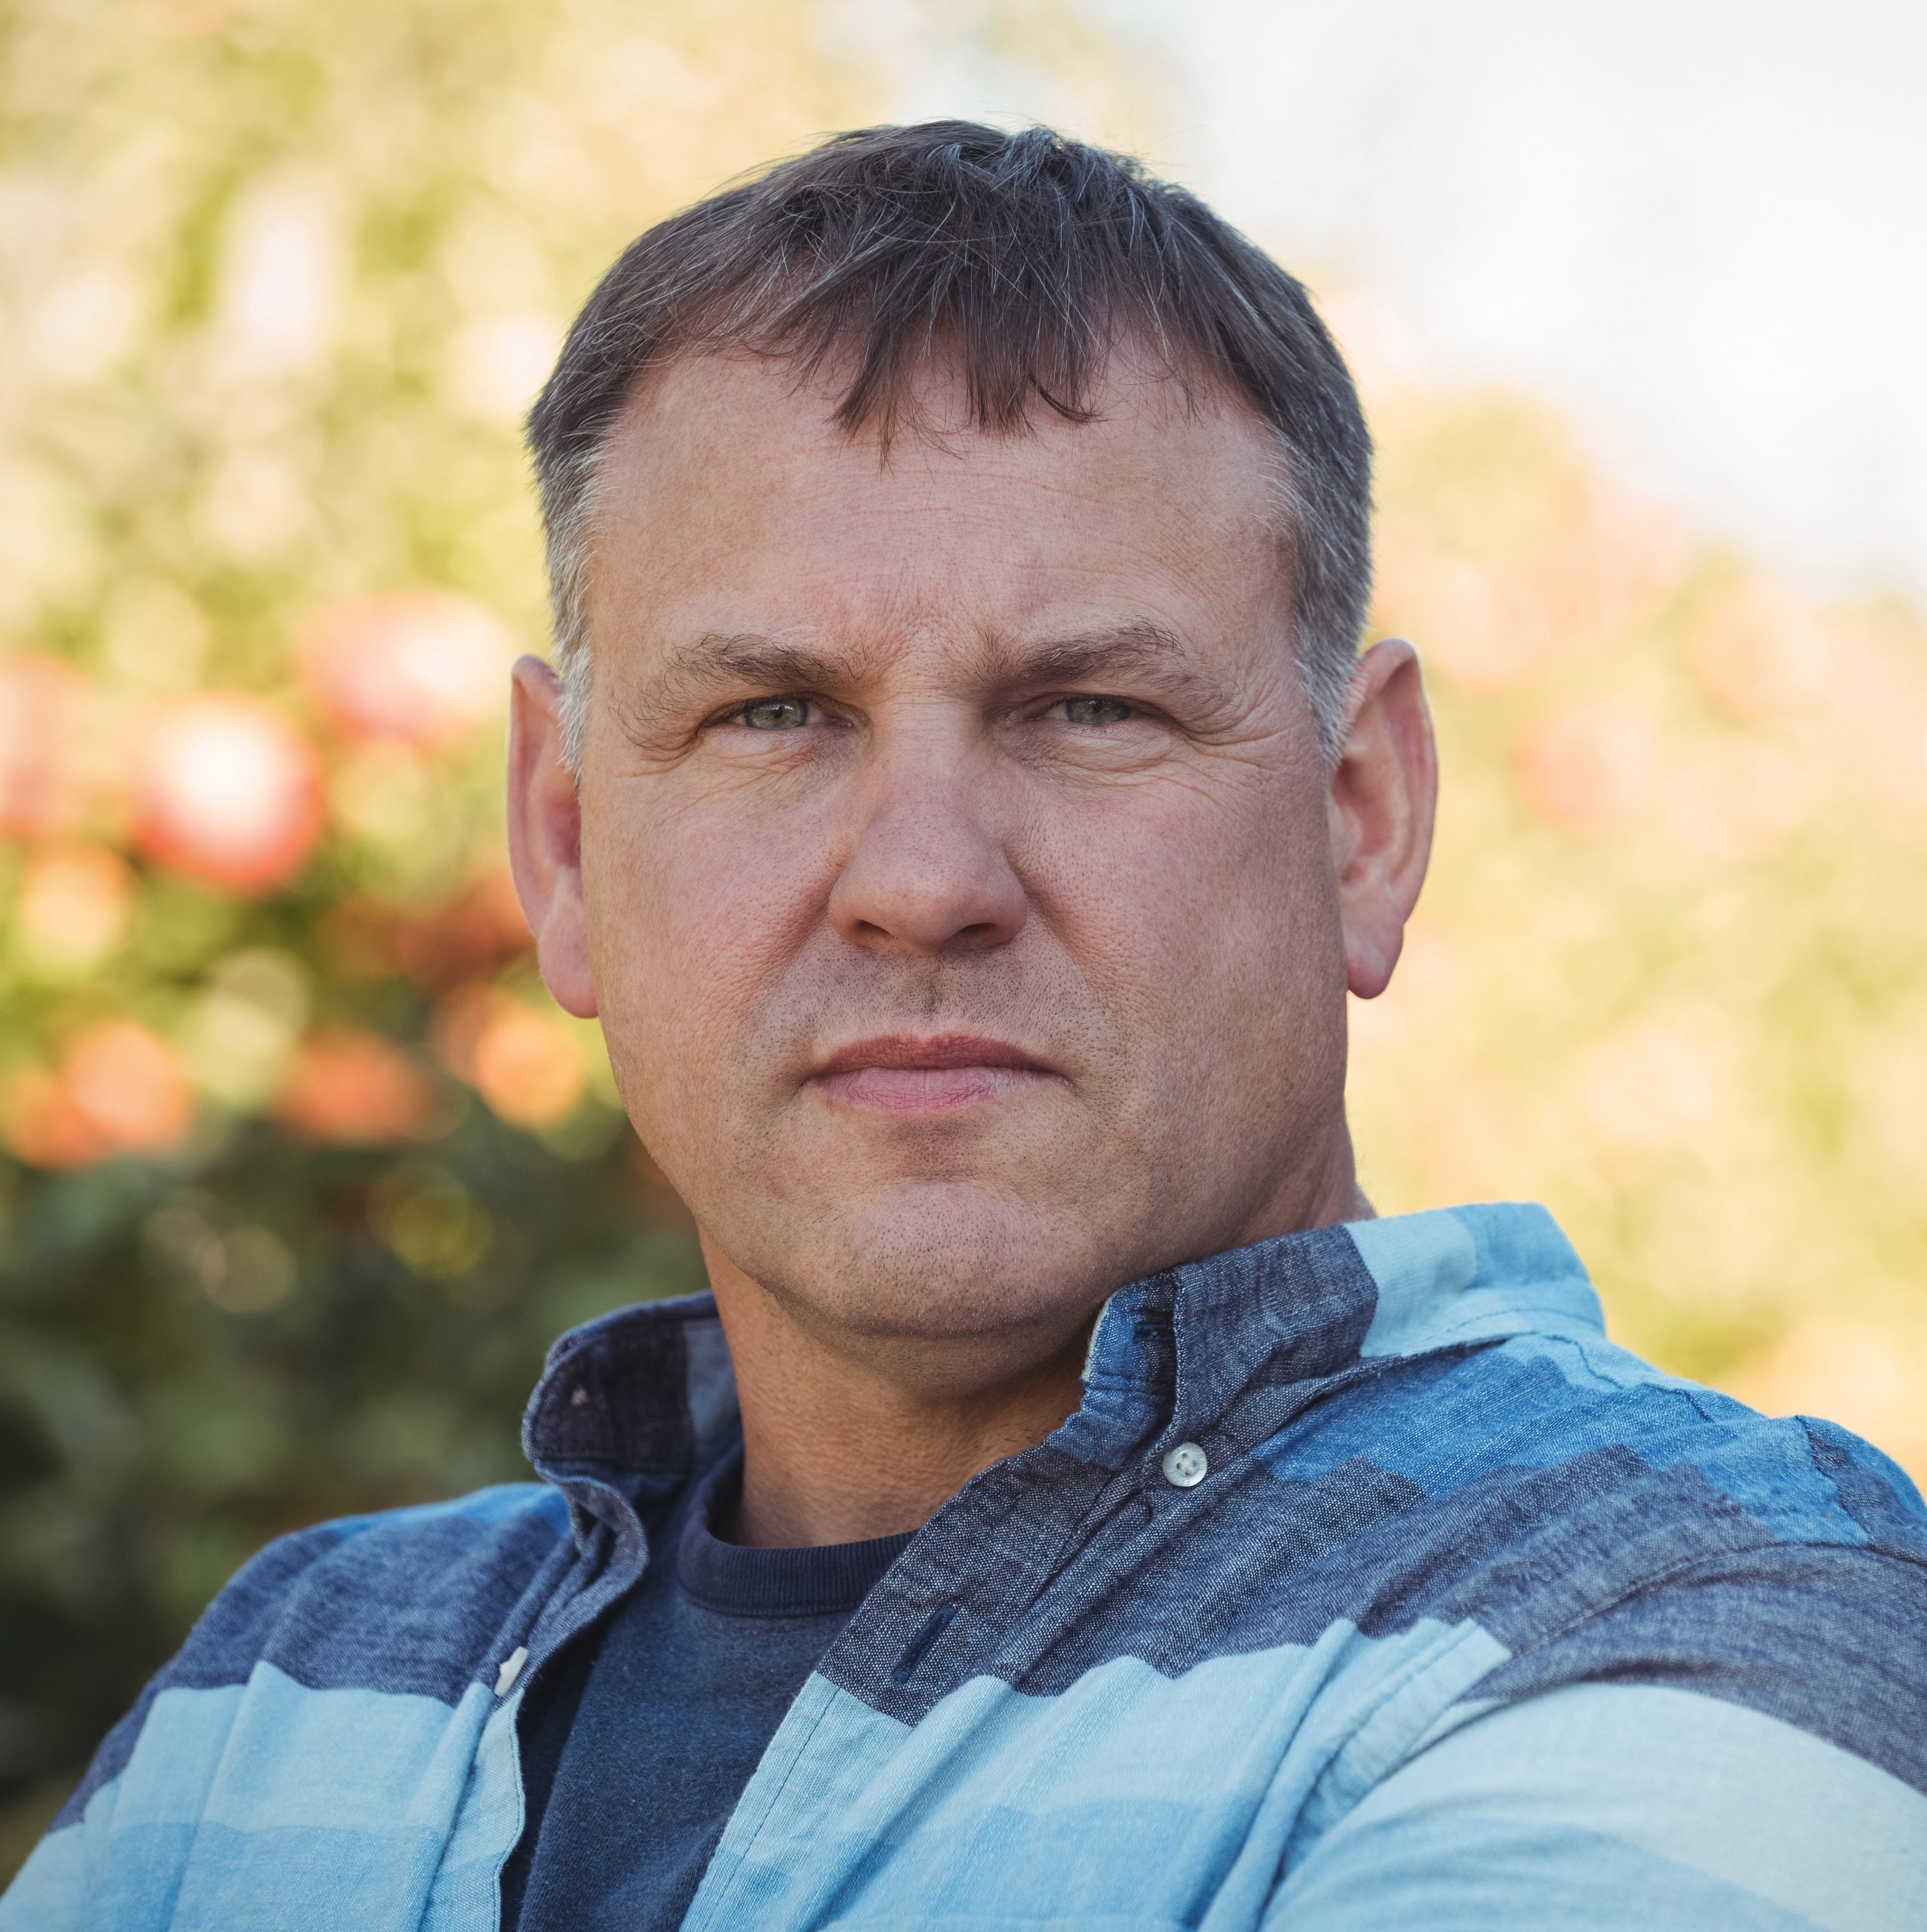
column 1130, row 646
column 722, row 663
column 726, row 660
column 1137, row 644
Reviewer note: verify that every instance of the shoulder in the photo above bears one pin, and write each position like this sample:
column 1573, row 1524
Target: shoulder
column 1570, row 1416
column 1706, row 1700
column 1485, row 1368
column 407, row 1602
column 398, row 1601
column 1609, row 1524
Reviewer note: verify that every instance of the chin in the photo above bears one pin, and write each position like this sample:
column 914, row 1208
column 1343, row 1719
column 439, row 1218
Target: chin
column 941, row 1260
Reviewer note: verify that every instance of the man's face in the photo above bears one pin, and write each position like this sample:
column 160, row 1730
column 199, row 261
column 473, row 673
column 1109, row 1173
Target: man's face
column 956, row 862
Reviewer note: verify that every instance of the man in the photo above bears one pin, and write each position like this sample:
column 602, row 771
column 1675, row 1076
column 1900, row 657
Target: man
column 961, row 800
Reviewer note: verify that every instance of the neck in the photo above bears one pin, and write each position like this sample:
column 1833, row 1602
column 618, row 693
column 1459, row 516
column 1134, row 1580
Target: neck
column 847, row 1438
column 841, row 1444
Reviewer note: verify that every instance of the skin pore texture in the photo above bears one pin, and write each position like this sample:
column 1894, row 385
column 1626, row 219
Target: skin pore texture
column 968, row 906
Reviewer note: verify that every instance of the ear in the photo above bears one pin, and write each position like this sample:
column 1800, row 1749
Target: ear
column 545, row 836
column 1383, row 800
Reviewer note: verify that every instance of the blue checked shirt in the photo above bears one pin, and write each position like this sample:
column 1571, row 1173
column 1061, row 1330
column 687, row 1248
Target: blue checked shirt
column 1453, row 1615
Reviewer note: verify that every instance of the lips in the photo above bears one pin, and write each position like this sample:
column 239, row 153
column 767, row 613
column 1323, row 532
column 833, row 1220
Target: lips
column 901, row 1073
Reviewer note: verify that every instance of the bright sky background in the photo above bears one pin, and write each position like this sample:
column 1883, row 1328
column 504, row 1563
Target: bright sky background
column 1699, row 226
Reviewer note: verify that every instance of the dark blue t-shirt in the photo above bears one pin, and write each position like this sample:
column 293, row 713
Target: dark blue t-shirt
column 638, row 1743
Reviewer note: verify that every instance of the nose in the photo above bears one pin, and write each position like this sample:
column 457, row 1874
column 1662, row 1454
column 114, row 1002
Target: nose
column 926, row 876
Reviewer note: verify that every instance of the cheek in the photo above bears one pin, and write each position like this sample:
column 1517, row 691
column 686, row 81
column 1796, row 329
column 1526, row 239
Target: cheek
column 692, row 915
column 1207, row 915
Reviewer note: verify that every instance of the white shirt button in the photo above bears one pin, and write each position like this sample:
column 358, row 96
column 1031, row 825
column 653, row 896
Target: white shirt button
column 1185, row 1466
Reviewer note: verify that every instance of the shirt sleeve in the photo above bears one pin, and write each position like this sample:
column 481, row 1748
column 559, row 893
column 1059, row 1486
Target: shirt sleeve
column 1605, row 1805
column 56, row 1888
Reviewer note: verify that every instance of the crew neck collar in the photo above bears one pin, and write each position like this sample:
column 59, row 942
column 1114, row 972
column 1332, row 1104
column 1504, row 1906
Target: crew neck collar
column 735, row 1579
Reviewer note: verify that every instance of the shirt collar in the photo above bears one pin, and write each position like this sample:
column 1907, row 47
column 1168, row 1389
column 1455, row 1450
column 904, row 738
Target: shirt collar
column 648, row 1392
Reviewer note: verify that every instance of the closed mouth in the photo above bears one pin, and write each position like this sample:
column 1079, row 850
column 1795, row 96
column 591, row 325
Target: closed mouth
column 901, row 1072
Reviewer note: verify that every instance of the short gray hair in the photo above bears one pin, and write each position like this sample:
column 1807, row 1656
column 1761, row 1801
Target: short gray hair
column 1025, row 257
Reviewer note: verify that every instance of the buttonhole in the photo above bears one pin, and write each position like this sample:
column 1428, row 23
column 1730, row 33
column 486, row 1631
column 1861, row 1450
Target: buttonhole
column 935, row 1625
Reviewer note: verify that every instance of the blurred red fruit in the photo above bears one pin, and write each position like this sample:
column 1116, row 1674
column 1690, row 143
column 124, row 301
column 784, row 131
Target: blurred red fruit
column 41, row 1125
column 523, row 1062
column 119, row 1089
column 352, row 1088
column 129, row 1086
column 43, row 723
column 226, row 789
column 424, row 667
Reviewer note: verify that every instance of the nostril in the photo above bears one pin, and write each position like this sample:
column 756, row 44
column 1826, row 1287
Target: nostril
column 924, row 885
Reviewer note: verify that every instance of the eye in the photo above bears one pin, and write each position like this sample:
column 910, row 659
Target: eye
column 1095, row 710
column 775, row 714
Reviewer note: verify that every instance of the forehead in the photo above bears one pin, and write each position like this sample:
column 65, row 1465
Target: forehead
column 726, row 483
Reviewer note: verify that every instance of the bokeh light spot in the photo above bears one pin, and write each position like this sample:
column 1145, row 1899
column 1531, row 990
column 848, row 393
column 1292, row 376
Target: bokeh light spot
column 227, row 789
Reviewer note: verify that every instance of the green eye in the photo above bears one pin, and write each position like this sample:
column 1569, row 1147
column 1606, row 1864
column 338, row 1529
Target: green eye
column 1097, row 710
column 775, row 714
